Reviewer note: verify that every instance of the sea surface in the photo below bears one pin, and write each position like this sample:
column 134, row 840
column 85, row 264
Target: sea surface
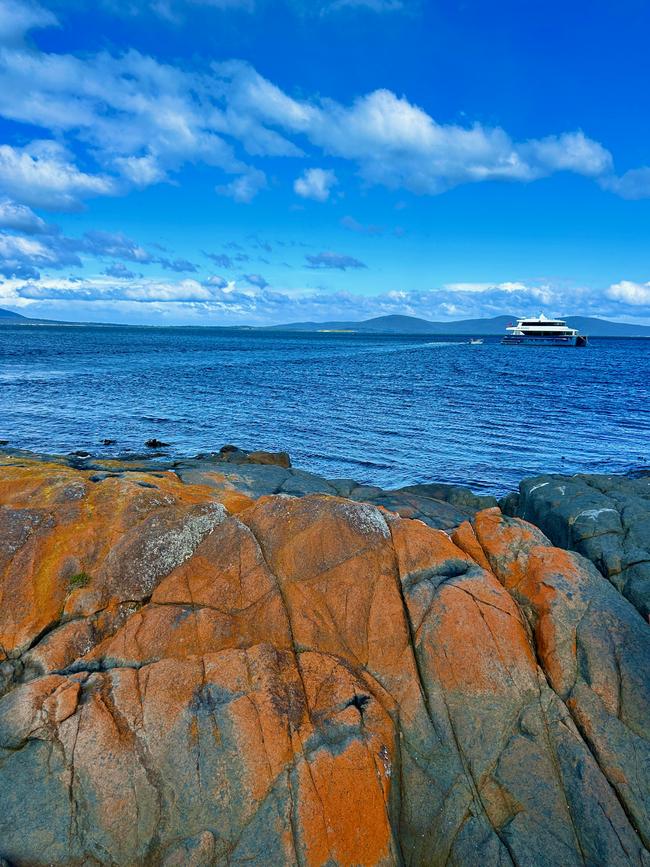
column 389, row 410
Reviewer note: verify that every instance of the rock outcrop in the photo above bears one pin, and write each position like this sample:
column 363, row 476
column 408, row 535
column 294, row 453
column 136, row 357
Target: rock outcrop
column 197, row 673
column 605, row 518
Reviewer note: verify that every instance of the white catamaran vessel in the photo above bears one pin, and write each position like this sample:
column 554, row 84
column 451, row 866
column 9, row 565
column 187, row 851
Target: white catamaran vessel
column 543, row 332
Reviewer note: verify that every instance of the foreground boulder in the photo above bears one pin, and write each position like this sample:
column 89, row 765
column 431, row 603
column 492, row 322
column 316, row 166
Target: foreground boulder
column 192, row 675
column 605, row 518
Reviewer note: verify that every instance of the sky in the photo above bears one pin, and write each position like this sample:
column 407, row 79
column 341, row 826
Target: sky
column 253, row 162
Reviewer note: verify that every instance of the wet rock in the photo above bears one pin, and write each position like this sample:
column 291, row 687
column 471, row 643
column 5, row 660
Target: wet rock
column 278, row 459
column 155, row 444
column 108, row 442
column 234, row 455
column 456, row 495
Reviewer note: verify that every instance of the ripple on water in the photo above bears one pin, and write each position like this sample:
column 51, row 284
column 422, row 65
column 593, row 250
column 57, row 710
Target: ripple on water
column 386, row 410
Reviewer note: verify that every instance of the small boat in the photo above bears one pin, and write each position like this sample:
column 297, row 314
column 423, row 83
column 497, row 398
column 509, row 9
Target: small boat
column 543, row 332
column 475, row 341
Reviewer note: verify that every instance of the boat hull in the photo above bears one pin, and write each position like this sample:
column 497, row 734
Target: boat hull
column 524, row 340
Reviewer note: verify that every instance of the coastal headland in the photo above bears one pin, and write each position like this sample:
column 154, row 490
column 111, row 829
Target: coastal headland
column 225, row 660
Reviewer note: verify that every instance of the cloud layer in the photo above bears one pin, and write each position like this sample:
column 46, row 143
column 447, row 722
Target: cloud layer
column 252, row 301
column 110, row 123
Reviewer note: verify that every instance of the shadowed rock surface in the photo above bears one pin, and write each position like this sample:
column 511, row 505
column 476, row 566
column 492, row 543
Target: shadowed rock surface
column 195, row 670
column 605, row 518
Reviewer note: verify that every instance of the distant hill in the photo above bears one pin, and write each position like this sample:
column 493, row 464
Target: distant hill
column 9, row 314
column 594, row 327
column 589, row 325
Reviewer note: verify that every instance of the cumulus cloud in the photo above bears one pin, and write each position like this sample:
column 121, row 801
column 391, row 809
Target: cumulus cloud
column 134, row 121
column 22, row 256
column 221, row 301
column 41, row 175
column 20, row 218
column 141, row 171
column 315, row 184
column 634, row 184
column 570, row 152
column 244, row 188
column 331, row 260
column 635, row 294
column 102, row 289
column 396, row 144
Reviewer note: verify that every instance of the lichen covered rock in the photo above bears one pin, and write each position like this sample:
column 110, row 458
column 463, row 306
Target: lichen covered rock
column 306, row 680
column 604, row 518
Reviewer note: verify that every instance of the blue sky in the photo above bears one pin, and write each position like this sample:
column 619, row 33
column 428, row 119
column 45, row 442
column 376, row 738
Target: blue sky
column 255, row 161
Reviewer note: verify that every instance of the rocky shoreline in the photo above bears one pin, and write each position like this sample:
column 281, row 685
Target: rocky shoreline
column 227, row 660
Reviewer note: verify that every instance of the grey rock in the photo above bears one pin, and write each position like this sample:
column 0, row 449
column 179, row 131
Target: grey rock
column 604, row 518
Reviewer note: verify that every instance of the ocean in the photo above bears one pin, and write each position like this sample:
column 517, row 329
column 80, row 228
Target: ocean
column 383, row 409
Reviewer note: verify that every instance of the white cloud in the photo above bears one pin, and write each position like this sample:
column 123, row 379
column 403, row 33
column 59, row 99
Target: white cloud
column 634, row 184
column 25, row 255
column 215, row 280
column 508, row 286
column 398, row 145
column 571, row 152
column 17, row 18
column 41, row 175
column 315, row 184
column 141, row 171
column 20, row 218
column 215, row 300
column 634, row 294
column 136, row 121
column 244, row 188
column 22, row 256
column 116, row 244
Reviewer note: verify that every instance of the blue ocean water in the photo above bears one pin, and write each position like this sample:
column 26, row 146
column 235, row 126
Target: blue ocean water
column 389, row 410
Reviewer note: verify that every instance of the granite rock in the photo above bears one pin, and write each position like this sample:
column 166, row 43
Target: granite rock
column 605, row 518
column 264, row 678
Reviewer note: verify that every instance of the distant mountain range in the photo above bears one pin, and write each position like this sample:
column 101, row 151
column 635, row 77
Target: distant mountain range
column 589, row 325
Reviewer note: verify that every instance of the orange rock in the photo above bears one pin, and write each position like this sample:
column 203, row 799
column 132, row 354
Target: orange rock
column 506, row 542
column 314, row 681
column 465, row 539
column 278, row 459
